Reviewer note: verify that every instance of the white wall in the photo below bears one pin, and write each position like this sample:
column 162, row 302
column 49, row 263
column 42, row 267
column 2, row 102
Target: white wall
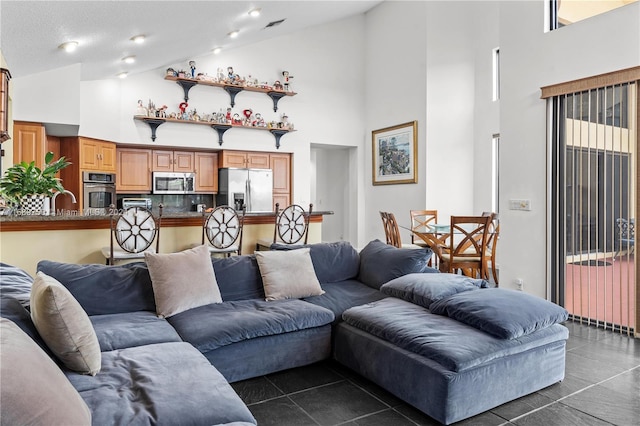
column 531, row 59
column 395, row 64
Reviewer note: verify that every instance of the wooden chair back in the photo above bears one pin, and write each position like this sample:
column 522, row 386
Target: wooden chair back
column 134, row 230
column 391, row 229
column 467, row 245
column 420, row 221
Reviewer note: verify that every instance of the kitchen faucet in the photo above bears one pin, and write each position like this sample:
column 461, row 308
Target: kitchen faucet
column 53, row 200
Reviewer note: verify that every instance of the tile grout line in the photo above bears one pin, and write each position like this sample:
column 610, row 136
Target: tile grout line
column 570, row 395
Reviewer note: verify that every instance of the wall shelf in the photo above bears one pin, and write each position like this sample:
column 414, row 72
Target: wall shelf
column 232, row 89
column 220, row 128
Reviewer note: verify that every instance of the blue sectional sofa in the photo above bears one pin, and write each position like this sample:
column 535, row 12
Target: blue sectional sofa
column 374, row 315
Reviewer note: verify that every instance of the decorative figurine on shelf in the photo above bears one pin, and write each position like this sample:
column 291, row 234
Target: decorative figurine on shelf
column 171, row 72
column 220, row 75
column 247, row 114
column 236, row 119
column 228, row 116
column 258, row 121
column 284, row 121
column 183, row 111
column 286, row 77
column 192, row 65
column 193, row 115
column 141, row 110
column 277, row 85
column 220, row 117
column 151, row 109
column 162, row 112
column 181, row 74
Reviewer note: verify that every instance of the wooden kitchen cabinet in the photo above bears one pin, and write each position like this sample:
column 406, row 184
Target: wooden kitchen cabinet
column 244, row 159
column 281, row 166
column 134, row 170
column 29, row 143
column 206, row 172
column 173, row 161
column 96, row 155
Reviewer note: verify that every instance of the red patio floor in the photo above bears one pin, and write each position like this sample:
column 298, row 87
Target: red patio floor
column 604, row 292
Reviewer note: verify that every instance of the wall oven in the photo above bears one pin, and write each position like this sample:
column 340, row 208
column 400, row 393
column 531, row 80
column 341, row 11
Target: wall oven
column 99, row 190
column 173, row 183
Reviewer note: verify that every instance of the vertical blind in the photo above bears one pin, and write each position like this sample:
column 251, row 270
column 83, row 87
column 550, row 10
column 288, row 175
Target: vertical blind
column 593, row 202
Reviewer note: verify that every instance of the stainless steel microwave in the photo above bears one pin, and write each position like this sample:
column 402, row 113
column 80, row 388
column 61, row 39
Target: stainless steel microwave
column 173, row 183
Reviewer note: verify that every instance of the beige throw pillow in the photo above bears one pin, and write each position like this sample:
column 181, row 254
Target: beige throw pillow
column 288, row 274
column 183, row 280
column 34, row 391
column 64, row 325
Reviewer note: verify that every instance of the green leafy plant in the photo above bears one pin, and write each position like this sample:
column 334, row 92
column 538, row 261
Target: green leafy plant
column 26, row 179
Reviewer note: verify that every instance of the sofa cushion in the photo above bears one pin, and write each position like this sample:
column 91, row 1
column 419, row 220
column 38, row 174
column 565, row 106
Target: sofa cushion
column 380, row 263
column 212, row 326
column 102, row 289
column 454, row 345
column 33, row 390
column 333, row 262
column 160, row 384
column 238, row 277
column 507, row 314
column 15, row 283
column 13, row 310
column 288, row 274
column 128, row 329
column 340, row 296
column 424, row 289
column 182, row 280
column 64, row 325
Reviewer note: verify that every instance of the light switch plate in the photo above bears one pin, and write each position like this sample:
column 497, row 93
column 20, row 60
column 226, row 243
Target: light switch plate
column 524, row 205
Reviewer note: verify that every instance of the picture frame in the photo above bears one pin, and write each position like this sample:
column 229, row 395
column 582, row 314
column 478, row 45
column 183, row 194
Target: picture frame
column 395, row 154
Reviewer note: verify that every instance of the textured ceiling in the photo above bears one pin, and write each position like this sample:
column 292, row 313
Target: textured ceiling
column 176, row 31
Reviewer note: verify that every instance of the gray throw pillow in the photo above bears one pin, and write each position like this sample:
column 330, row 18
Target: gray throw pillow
column 182, row 280
column 288, row 274
column 34, row 390
column 64, row 325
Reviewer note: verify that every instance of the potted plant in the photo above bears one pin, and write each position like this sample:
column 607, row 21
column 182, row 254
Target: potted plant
column 26, row 185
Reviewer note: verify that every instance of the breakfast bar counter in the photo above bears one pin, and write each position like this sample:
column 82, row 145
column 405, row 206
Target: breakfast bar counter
column 70, row 238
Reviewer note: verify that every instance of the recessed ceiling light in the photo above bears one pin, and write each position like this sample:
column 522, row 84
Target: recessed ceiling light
column 255, row 12
column 234, row 33
column 122, row 75
column 138, row 39
column 69, row 46
column 217, row 50
column 129, row 59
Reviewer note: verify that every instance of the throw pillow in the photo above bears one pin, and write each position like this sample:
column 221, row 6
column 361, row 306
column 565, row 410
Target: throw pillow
column 288, row 274
column 34, row 389
column 380, row 263
column 64, row 325
column 183, row 280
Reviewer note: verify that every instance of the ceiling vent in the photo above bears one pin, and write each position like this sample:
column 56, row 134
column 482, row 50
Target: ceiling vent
column 274, row 23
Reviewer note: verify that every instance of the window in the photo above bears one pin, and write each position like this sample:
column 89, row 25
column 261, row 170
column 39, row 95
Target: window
column 568, row 12
column 496, row 74
column 495, row 173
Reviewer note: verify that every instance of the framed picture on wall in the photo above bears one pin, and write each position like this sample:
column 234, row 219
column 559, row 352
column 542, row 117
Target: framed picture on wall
column 395, row 154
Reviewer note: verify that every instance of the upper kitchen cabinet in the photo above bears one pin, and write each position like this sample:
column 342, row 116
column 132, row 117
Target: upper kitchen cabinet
column 206, row 172
column 29, row 143
column 96, row 155
column 244, row 160
column 173, row 161
column 134, row 170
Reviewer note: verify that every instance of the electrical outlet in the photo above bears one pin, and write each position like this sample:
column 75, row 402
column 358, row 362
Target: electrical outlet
column 519, row 284
column 524, row 205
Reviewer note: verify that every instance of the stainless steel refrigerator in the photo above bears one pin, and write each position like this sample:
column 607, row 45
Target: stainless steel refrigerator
column 252, row 188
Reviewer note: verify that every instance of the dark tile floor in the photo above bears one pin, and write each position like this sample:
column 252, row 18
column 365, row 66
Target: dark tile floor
column 601, row 387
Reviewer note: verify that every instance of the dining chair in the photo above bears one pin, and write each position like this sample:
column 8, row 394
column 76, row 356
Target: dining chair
column 292, row 224
column 467, row 246
column 392, row 231
column 134, row 231
column 492, row 243
column 626, row 235
column 223, row 227
column 420, row 222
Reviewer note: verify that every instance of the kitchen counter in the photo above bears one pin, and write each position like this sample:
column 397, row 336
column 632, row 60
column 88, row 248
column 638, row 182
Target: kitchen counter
column 74, row 221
